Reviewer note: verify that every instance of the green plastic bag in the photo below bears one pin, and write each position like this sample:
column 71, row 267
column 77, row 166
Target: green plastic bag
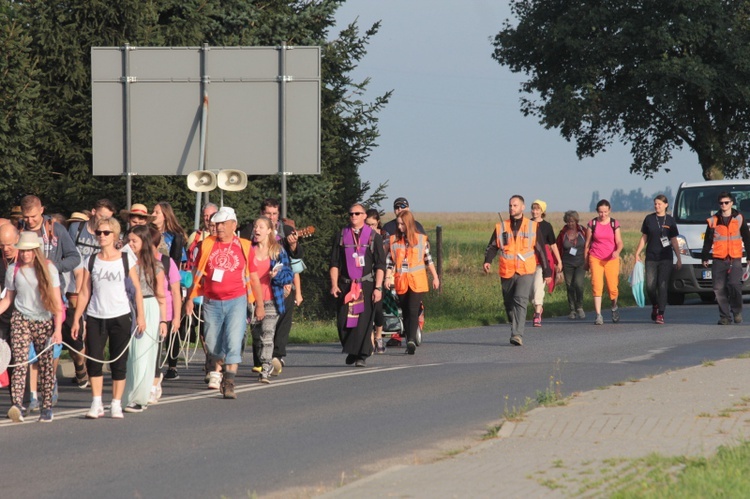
column 636, row 283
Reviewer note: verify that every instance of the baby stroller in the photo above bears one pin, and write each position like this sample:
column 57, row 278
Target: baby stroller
column 393, row 323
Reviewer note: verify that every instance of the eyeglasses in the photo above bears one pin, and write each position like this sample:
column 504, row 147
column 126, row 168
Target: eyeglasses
column 103, row 232
column 356, row 213
column 725, row 202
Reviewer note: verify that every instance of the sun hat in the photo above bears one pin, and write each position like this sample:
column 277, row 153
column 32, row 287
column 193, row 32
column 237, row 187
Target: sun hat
column 139, row 210
column 225, row 213
column 78, row 216
column 400, row 203
column 541, row 204
column 28, row 240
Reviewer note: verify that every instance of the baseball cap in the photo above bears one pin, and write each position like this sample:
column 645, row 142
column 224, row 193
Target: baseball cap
column 400, row 203
column 225, row 213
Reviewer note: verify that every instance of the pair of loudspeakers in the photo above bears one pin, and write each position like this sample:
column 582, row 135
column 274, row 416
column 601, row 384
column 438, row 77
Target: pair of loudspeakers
column 226, row 180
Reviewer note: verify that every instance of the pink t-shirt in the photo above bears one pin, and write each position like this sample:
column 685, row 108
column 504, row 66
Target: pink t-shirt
column 174, row 277
column 603, row 239
column 264, row 273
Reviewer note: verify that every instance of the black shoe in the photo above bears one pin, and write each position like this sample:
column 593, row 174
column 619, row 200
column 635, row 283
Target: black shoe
column 133, row 408
column 171, row 374
column 411, row 348
column 351, row 359
column 81, row 379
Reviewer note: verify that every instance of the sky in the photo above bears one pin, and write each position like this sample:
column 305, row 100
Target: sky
column 452, row 138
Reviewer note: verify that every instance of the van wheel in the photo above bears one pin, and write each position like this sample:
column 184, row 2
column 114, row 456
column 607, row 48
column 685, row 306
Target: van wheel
column 675, row 298
column 708, row 297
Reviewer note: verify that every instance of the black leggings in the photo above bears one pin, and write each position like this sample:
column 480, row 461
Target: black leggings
column 117, row 330
column 411, row 303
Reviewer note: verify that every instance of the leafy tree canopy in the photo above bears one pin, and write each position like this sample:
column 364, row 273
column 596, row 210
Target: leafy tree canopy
column 45, row 106
column 656, row 75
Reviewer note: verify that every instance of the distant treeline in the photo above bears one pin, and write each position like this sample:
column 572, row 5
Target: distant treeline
column 633, row 201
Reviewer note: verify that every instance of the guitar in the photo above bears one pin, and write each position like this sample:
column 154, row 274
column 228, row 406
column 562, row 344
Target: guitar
column 306, row 232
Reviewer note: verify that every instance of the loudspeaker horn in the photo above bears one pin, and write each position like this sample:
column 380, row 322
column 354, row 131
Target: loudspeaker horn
column 201, row 181
column 232, row 180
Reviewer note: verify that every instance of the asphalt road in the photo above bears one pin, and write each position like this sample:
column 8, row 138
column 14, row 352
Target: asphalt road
column 321, row 422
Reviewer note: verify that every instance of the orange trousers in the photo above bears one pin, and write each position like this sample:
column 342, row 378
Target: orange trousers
column 601, row 270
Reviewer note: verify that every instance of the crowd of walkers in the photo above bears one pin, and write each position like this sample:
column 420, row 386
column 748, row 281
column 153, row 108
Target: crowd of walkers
column 87, row 283
column 113, row 294
column 125, row 294
column 529, row 256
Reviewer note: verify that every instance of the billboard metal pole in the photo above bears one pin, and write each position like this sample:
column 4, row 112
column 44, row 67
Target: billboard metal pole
column 205, row 80
column 126, row 81
column 283, row 78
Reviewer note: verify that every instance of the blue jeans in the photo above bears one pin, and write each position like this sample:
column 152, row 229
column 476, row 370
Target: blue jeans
column 226, row 321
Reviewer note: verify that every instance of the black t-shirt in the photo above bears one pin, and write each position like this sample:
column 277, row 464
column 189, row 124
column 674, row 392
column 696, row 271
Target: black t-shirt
column 545, row 233
column 655, row 228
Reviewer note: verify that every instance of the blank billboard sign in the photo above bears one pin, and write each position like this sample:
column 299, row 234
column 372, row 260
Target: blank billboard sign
column 263, row 109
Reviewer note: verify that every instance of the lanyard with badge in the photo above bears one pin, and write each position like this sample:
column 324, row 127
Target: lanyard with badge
column 664, row 239
column 218, row 274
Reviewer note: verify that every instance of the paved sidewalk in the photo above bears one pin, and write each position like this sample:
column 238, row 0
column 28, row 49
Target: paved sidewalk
column 555, row 452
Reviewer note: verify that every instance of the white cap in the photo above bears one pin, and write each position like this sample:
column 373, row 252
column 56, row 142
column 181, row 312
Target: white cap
column 225, row 213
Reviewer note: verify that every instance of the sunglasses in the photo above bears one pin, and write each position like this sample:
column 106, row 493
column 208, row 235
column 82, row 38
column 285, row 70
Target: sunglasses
column 725, row 202
column 400, row 207
column 356, row 213
column 103, row 232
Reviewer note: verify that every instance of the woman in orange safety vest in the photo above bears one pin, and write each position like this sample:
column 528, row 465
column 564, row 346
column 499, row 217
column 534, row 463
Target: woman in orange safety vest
column 406, row 265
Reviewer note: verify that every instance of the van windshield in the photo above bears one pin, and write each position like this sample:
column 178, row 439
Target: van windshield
column 696, row 204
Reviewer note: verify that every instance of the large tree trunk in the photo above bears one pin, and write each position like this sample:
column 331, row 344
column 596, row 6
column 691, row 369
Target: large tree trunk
column 712, row 168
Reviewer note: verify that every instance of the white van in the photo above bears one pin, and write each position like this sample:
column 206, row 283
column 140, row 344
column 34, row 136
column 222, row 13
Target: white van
column 693, row 204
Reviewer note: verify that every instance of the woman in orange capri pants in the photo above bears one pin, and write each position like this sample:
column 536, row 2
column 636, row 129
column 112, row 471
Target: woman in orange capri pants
column 602, row 254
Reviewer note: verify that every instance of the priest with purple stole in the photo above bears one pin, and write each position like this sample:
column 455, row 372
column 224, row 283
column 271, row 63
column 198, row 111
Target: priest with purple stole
column 357, row 270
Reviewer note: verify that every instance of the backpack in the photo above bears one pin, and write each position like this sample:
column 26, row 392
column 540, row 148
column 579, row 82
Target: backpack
column 612, row 223
column 129, row 286
column 78, row 242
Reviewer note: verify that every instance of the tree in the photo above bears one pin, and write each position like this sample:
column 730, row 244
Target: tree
column 19, row 117
column 49, row 56
column 657, row 75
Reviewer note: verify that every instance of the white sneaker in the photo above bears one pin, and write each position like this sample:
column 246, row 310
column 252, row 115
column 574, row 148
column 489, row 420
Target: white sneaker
column 214, row 381
column 96, row 411
column 152, row 399
column 115, row 411
column 158, row 387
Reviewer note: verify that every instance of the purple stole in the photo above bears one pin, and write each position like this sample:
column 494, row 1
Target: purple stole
column 354, row 297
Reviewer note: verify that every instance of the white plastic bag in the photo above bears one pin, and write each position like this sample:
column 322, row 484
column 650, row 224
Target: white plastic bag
column 636, row 283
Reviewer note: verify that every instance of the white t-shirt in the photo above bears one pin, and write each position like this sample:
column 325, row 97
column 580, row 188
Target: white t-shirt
column 108, row 296
column 28, row 301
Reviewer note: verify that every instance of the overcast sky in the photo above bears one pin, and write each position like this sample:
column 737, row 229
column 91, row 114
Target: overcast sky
column 453, row 137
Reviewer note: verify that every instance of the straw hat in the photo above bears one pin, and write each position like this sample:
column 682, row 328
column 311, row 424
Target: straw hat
column 137, row 209
column 28, row 240
column 78, row 216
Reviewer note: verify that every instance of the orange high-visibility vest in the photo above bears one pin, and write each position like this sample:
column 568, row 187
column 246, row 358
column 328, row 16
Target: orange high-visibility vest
column 412, row 273
column 200, row 269
column 517, row 257
column 727, row 239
